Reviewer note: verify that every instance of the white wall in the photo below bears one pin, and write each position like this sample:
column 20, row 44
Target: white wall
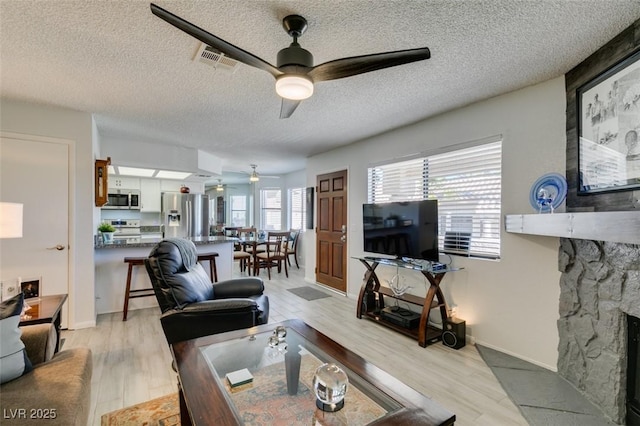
column 511, row 304
column 32, row 119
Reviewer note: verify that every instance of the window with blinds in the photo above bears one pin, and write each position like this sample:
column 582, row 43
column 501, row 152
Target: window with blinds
column 297, row 208
column 238, row 210
column 271, row 209
column 467, row 184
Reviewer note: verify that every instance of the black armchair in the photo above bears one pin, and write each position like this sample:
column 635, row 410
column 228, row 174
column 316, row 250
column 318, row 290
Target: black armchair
column 192, row 306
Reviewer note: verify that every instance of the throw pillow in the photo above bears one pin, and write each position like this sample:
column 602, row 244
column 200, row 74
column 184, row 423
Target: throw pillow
column 13, row 357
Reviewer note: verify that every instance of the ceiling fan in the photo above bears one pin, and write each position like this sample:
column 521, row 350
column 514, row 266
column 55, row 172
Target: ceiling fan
column 295, row 73
column 255, row 177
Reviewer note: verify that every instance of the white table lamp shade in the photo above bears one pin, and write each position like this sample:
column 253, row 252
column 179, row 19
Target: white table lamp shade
column 10, row 220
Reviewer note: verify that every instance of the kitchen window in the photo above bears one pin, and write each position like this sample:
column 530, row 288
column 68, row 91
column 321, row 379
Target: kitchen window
column 271, row 209
column 466, row 181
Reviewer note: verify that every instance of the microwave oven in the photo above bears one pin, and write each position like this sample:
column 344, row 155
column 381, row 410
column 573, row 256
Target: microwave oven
column 123, row 199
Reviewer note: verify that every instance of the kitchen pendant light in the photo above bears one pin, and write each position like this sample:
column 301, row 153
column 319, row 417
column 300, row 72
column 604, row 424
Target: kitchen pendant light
column 219, row 188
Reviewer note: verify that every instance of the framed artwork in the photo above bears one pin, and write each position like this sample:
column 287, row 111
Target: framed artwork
column 309, row 206
column 9, row 288
column 609, row 128
column 30, row 287
column 101, row 181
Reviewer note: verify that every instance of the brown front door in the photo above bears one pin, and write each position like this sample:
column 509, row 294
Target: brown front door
column 331, row 235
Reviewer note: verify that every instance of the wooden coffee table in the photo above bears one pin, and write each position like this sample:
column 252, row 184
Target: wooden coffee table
column 45, row 309
column 281, row 390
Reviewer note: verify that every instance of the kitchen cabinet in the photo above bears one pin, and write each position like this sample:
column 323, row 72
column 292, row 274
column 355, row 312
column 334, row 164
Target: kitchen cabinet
column 124, row 182
column 150, row 193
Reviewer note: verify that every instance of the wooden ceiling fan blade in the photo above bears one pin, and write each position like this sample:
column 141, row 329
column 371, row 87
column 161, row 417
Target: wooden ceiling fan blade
column 347, row 67
column 215, row 42
column 287, row 108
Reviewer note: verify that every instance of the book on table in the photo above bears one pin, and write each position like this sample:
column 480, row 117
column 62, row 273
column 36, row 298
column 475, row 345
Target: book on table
column 239, row 377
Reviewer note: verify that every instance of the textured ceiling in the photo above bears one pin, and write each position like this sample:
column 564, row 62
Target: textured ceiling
column 136, row 73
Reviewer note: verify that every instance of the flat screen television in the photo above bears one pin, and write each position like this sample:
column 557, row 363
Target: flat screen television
column 402, row 229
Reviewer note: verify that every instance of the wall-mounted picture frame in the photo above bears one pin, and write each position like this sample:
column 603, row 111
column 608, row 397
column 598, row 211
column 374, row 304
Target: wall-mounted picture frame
column 31, row 287
column 9, row 288
column 609, row 129
column 309, row 197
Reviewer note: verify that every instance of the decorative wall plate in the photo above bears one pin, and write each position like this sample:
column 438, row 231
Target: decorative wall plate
column 548, row 192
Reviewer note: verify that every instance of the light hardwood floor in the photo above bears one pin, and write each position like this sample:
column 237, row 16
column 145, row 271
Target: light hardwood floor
column 132, row 359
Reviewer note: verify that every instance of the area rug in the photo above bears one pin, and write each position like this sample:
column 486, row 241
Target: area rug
column 163, row 411
column 267, row 402
column 308, row 293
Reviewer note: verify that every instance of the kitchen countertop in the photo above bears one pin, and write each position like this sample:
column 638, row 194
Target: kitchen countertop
column 150, row 242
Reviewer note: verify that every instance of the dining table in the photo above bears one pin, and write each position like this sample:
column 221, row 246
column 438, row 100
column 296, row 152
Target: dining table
column 253, row 243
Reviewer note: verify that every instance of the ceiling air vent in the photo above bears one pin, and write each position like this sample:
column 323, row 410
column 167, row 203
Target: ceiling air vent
column 210, row 56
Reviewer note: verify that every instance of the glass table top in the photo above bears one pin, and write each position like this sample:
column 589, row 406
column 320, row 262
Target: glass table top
column 281, row 392
column 408, row 263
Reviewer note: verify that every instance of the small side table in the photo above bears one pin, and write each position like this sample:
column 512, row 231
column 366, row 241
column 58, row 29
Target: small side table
column 45, row 309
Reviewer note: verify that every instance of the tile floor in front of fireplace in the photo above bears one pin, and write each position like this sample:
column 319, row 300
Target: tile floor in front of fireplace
column 543, row 397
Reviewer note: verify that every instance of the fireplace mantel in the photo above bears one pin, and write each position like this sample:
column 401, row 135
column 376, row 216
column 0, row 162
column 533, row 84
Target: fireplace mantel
column 618, row 227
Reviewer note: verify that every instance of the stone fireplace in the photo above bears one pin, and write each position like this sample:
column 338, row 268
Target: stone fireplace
column 599, row 287
column 599, row 256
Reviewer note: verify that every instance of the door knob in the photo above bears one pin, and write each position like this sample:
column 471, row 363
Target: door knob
column 58, row 247
column 343, row 239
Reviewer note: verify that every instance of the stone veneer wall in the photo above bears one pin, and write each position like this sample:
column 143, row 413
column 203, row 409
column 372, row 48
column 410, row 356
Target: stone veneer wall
column 600, row 283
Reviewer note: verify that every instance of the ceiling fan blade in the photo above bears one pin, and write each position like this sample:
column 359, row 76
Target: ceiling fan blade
column 215, row 42
column 347, row 67
column 288, row 106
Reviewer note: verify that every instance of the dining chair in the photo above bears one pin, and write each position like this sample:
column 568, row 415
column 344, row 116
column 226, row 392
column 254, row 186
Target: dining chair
column 230, row 231
column 250, row 233
column 244, row 258
column 292, row 249
column 275, row 253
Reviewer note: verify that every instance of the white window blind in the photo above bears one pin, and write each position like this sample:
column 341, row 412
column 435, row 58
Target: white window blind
column 467, row 184
column 297, row 208
column 271, row 208
column 401, row 181
column 238, row 210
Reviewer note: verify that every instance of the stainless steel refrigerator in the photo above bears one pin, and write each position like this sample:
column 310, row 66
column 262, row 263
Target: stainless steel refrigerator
column 185, row 215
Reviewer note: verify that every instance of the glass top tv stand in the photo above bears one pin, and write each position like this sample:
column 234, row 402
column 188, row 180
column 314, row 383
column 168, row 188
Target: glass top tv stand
column 371, row 299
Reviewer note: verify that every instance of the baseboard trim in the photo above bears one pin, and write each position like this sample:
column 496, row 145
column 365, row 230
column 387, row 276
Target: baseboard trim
column 86, row 324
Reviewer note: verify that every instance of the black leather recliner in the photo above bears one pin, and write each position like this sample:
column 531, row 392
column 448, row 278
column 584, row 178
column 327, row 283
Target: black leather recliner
column 191, row 305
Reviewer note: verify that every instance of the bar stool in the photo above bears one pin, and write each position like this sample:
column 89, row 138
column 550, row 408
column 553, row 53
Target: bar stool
column 211, row 257
column 144, row 292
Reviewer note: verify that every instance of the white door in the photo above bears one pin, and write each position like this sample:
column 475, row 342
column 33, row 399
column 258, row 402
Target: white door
column 36, row 174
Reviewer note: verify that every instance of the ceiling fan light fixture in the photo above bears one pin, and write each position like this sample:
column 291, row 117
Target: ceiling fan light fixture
column 253, row 177
column 294, row 87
